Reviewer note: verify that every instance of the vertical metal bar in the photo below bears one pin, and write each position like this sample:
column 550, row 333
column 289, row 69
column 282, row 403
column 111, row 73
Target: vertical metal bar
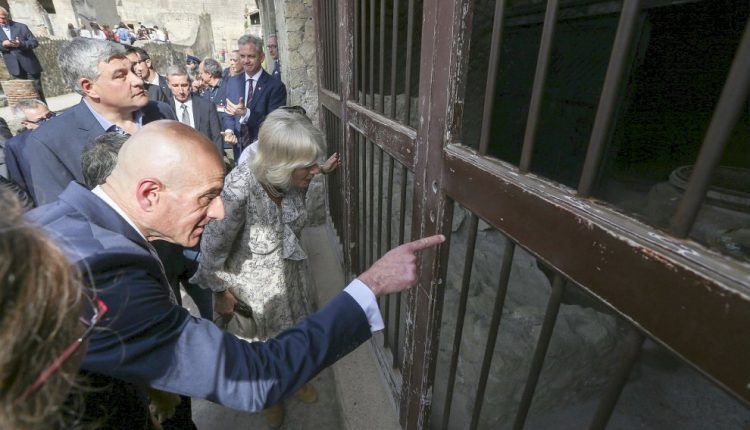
column 401, row 228
column 371, row 245
column 489, row 92
column 381, row 74
column 731, row 102
column 540, row 79
column 394, row 58
column 346, row 82
column 550, row 318
column 409, row 49
column 463, row 299
column 361, row 154
column 497, row 313
column 381, row 215
column 372, row 54
column 330, row 47
column 609, row 100
column 355, row 49
column 388, row 245
column 633, row 344
column 363, row 85
column 365, row 213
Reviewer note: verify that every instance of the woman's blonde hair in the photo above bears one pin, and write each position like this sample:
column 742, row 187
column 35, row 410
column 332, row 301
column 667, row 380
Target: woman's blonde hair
column 287, row 140
column 40, row 301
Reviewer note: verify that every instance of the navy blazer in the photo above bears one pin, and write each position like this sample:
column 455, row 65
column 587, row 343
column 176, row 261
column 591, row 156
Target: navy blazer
column 216, row 95
column 206, row 120
column 55, row 150
column 269, row 95
column 148, row 340
column 159, row 93
column 17, row 162
column 21, row 59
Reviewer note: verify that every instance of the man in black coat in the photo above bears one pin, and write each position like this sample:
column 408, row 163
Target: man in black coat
column 17, row 44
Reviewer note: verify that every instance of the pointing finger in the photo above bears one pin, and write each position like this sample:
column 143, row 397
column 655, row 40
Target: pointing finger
column 424, row 243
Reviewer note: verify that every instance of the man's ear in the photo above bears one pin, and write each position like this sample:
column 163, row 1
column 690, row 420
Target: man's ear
column 87, row 85
column 148, row 192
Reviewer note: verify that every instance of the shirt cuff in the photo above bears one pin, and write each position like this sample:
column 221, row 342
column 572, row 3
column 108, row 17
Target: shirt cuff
column 245, row 117
column 366, row 300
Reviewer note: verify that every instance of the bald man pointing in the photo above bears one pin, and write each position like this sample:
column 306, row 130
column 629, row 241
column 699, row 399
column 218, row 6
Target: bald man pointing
column 145, row 339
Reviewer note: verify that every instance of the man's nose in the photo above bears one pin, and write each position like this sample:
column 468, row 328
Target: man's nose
column 216, row 209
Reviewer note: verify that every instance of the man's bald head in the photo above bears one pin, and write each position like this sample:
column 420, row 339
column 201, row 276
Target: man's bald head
column 166, row 179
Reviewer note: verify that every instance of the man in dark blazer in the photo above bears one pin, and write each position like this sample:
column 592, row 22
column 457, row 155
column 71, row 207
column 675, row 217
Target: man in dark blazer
column 146, row 340
column 154, row 83
column 250, row 96
column 17, row 44
column 209, row 70
column 112, row 101
column 194, row 111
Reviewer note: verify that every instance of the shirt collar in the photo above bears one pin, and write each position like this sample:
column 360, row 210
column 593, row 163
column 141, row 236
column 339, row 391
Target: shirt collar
column 188, row 102
column 255, row 77
column 107, row 124
column 99, row 192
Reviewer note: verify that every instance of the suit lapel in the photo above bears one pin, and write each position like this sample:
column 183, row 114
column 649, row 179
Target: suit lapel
column 259, row 89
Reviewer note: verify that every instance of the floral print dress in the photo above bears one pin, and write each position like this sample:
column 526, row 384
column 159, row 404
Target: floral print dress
column 255, row 252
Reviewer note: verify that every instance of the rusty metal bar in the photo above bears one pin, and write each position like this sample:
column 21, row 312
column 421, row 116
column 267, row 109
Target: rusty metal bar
column 548, row 326
column 362, row 200
column 609, row 100
column 489, row 91
column 703, row 293
column 372, row 55
column 633, row 343
column 394, row 58
column 540, row 80
column 389, row 245
column 460, row 316
column 409, row 51
column 371, row 212
column 346, row 52
column 401, row 239
column 397, row 139
column 381, row 74
column 330, row 48
column 354, row 94
column 381, row 215
column 731, row 103
column 497, row 313
column 363, row 63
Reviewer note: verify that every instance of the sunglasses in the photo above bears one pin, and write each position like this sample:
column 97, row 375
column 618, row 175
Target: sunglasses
column 49, row 115
column 98, row 309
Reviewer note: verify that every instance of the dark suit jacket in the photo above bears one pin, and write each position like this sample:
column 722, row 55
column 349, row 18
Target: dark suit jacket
column 17, row 162
column 159, row 93
column 269, row 95
column 148, row 340
column 217, row 95
column 20, row 59
column 206, row 120
column 55, row 150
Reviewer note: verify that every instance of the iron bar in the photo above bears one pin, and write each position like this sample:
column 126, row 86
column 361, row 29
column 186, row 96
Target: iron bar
column 461, row 315
column 609, row 100
column 497, row 313
column 633, row 343
column 548, row 326
column 394, row 57
column 731, row 103
column 540, row 80
column 409, row 49
column 402, row 227
column 489, row 92
column 381, row 74
column 372, row 55
column 355, row 53
column 371, row 213
column 363, row 63
column 381, row 215
column 362, row 154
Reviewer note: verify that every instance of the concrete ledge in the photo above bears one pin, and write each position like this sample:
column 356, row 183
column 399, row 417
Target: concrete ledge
column 364, row 398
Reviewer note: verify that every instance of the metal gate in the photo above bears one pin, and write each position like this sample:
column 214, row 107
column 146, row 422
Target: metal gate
column 399, row 101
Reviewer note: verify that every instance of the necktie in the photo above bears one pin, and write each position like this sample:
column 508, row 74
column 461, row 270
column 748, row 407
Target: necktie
column 116, row 129
column 250, row 92
column 185, row 115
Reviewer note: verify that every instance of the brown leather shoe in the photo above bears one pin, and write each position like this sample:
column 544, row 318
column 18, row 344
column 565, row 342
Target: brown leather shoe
column 274, row 415
column 307, row 394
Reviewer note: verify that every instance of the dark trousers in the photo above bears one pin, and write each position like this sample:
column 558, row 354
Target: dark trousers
column 36, row 78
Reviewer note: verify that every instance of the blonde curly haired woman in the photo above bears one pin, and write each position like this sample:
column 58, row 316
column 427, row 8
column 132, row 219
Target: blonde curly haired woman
column 254, row 254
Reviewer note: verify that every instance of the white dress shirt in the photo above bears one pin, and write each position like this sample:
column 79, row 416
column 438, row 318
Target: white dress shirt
column 178, row 110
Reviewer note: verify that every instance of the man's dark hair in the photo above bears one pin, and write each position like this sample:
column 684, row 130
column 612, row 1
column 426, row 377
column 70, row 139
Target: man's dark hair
column 99, row 159
column 142, row 54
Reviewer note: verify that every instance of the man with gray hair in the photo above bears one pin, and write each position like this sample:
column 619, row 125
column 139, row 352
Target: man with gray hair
column 113, row 100
column 99, row 159
column 250, row 96
column 31, row 114
column 209, row 70
column 194, row 111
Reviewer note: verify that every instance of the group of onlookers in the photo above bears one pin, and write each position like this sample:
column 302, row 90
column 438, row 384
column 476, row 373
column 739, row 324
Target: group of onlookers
column 121, row 33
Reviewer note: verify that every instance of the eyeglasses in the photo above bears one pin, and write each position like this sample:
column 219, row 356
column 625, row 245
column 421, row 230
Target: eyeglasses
column 99, row 308
column 49, row 115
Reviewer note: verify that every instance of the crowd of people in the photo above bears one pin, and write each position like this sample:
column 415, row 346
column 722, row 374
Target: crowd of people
column 122, row 33
column 191, row 179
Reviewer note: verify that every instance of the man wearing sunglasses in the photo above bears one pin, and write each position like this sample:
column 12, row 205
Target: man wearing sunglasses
column 31, row 114
column 146, row 339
